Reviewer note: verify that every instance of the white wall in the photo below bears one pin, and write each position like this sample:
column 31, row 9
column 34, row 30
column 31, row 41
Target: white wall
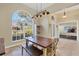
column 72, row 14
column 44, row 22
column 6, row 11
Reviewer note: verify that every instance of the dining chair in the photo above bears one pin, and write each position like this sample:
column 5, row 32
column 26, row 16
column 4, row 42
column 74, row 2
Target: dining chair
column 51, row 50
column 54, row 46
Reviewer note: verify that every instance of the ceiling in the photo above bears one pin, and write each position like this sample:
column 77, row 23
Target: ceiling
column 52, row 7
column 38, row 6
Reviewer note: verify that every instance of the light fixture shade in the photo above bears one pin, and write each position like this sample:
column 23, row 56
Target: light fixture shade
column 36, row 15
column 48, row 13
column 40, row 15
column 43, row 13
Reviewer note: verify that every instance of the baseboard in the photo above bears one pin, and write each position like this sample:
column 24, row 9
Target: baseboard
column 15, row 44
column 12, row 46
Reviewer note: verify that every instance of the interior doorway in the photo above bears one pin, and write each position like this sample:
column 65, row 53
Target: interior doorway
column 68, row 30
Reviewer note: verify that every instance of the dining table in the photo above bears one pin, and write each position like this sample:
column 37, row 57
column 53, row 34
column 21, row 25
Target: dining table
column 40, row 41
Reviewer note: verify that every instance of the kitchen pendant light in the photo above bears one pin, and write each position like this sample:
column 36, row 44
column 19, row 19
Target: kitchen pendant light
column 64, row 16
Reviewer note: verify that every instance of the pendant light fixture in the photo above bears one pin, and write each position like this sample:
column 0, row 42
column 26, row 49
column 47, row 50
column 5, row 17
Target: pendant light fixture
column 37, row 10
column 64, row 16
column 42, row 12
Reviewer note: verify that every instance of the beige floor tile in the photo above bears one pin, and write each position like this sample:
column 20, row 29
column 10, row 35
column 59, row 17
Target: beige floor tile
column 66, row 47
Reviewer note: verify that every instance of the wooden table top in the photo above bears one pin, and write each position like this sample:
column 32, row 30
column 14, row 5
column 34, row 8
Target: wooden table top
column 41, row 41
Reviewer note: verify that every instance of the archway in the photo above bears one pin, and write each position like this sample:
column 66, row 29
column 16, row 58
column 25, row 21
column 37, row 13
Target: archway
column 22, row 25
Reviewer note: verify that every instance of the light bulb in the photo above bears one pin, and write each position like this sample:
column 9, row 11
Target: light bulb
column 64, row 16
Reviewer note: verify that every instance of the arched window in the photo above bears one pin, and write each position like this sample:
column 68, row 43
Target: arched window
column 21, row 25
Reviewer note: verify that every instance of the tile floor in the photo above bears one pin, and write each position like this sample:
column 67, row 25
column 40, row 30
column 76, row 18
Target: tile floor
column 65, row 48
column 68, row 48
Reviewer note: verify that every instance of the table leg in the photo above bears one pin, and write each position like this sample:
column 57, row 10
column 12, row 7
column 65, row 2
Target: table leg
column 45, row 52
column 27, row 43
column 22, row 51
